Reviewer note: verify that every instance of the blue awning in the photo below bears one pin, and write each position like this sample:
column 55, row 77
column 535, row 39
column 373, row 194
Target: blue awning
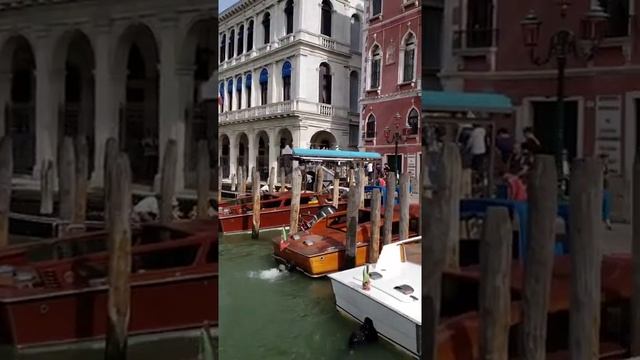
column 461, row 101
column 247, row 80
column 239, row 83
column 322, row 154
column 264, row 76
column 222, row 89
column 286, row 69
column 230, row 85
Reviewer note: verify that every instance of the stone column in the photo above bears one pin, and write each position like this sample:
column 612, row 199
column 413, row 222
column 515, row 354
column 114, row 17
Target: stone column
column 106, row 109
column 46, row 109
column 253, row 149
column 5, row 98
column 233, row 153
column 274, row 149
column 171, row 116
column 274, row 83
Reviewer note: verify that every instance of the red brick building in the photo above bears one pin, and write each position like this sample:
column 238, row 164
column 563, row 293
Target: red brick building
column 485, row 52
column 392, row 81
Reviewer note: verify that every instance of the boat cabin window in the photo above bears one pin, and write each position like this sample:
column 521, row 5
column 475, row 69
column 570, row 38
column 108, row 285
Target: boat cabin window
column 340, row 222
column 404, row 289
column 166, row 258
column 271, row 204
column 375, row 275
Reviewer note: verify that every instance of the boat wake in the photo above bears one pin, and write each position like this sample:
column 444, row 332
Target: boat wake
column 269, row 275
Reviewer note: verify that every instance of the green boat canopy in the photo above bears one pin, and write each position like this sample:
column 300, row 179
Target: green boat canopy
column 463, row 101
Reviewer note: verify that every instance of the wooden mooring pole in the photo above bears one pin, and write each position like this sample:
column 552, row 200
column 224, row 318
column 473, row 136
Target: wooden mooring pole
column 388, row 207
column 204, row 179
column 6, row 173
column 296, row 185
column 119, row 259
column 495, row 297
column 319, row 179
column 67, row 180
column 336, row 191
column 538, row 269
column 362, row 182
column 82, row 179
column 352, row 228
column 586, row 229
column 635, row 259
column 439, row 209
column 168, row 182
column 255, row 216
column 404, row 206
column 374, row 242
column 46, row 187
column 242, row 181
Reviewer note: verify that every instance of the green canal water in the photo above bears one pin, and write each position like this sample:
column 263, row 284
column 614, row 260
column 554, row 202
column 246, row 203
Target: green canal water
column 267, row 314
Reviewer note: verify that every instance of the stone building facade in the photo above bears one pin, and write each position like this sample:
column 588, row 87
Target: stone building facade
column 392, row 82
column 289, row 75
column 132, row 70
column 485, row 52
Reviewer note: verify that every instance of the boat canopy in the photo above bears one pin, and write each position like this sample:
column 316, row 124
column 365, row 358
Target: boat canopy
column 465, row 101
column 335, row 155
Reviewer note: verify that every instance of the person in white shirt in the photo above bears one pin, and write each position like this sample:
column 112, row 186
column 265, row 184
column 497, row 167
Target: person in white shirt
column 370, row 171
column 477, row 147
column 148, row 210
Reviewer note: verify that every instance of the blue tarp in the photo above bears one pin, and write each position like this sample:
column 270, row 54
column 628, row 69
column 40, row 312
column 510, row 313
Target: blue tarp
column 264, row 76
column 335, row 154
column 461, row 101
column 247, row 80
column 286, row 69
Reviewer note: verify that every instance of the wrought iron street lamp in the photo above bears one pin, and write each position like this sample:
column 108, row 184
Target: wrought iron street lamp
column 398, row 135
column 562, row 44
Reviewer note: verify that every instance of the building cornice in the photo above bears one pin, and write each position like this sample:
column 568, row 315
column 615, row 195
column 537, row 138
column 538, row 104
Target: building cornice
column 541, row 74
column 389, row 97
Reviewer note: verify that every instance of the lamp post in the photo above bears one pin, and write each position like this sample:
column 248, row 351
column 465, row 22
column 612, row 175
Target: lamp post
column 562, row 44
column 396, row 136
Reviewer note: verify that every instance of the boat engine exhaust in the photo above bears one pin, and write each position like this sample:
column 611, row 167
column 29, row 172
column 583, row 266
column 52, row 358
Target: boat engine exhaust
column 366, row 334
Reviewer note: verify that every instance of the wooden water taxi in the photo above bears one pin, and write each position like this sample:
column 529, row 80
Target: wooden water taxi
column 275, row 210
column 320, row 250
column 65, row 294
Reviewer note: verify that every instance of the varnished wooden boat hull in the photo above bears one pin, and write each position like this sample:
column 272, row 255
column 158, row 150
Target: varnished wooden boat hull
column 321, row 264
column 174, row 302
column 269, row 219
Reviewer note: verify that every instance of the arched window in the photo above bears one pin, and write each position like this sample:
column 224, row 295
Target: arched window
column 376, row 60
column 221, row 96
column 325, row 18
column 325, row 83
column 354, row 90
column 232, row 40
column 355, row 33
column 248, row 86
column 266, row 26
column 241, row 40
column 239, row 91
column 264, row 86
column 230, row 93
column 250, row 35
column 288, row 13
column 223, row 47
column 370, row 127
column 376, row 7
column 286, row 81
column 412, row 121
column 409, row 58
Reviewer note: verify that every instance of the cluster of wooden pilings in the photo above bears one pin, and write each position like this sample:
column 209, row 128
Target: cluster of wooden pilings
column 356, row 181
column 72, row 165
column 440, row 230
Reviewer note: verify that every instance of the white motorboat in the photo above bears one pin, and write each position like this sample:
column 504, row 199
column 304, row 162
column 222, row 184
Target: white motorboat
column 393, row 298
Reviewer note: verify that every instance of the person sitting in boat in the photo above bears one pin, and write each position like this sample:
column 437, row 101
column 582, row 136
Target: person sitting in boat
column 148, row 210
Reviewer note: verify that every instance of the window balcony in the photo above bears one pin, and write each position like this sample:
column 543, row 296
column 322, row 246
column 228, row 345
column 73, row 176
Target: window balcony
column 280, row 109
column 474, row 40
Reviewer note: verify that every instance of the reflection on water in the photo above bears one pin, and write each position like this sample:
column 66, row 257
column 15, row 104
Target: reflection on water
column 268, row 314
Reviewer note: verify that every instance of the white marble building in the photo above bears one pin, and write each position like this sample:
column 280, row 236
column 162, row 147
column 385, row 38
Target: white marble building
column 125, row 69
column 289, row 75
